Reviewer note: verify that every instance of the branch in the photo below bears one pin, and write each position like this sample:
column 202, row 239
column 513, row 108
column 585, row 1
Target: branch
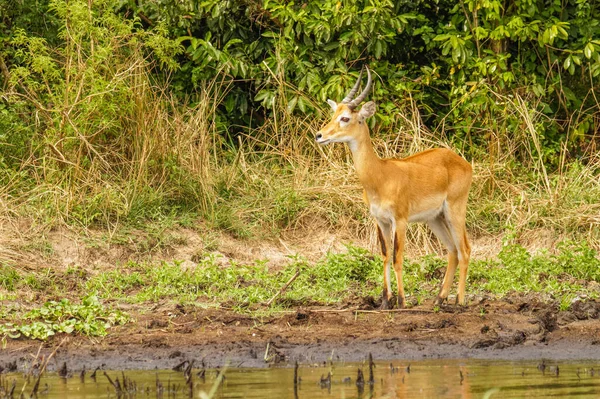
column 5, row 72
column 284, row 287
column 144, row 18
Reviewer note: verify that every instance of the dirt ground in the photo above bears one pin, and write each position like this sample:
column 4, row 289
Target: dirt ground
column 515, row 329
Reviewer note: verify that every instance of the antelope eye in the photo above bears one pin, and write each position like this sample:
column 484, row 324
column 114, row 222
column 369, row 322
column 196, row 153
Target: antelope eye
column 345, row 119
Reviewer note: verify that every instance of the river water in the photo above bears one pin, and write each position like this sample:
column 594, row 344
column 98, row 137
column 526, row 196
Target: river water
column 398, row 379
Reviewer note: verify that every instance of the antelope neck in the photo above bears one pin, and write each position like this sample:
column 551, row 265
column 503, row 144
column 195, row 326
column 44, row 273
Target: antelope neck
column 365, row 158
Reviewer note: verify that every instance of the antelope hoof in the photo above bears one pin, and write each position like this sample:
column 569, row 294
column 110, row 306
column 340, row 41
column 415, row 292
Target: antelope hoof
column 438, row 301
column 462, row 302
column 385, row 304
column 400, row 303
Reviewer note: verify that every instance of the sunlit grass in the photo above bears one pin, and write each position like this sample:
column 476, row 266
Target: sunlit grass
column 339, row 279
column 347, row 278
column 273, row 178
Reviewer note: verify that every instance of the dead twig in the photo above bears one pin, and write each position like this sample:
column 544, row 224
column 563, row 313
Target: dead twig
column 371, row 311
column 116, row 384
column 294, row 277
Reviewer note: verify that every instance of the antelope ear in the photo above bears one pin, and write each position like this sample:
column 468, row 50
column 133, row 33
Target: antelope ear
column 332, row 104
column 366, row 111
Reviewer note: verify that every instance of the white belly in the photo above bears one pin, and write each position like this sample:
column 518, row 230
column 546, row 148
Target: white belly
column 425, row 215
column 382, row 213
column 427, row 210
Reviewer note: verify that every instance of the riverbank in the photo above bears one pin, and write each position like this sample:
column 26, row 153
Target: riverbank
column 518, row 328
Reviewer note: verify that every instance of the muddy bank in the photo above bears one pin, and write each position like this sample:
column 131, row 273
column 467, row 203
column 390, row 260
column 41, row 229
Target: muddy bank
column 511, row 329
column 250, row 354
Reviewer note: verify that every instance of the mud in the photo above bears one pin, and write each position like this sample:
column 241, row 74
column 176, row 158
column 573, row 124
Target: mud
column 518, row 328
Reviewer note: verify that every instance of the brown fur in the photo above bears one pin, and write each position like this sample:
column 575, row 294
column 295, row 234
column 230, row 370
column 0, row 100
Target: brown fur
column 431, row 186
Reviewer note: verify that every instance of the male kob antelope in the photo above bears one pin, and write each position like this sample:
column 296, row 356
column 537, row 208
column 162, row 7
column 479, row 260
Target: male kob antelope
column 431, row 186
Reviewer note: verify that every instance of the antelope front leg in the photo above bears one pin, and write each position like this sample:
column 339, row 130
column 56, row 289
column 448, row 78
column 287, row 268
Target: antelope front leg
column 398, row 258
column 385, row 239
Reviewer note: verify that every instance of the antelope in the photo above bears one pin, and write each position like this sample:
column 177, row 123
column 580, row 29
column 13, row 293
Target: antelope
column 431, row 186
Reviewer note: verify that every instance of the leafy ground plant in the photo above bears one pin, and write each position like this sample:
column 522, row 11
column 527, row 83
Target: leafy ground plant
column 353, row 277
column 349, row 279
column 571, row 272
column 89, row 318
column 242, row 287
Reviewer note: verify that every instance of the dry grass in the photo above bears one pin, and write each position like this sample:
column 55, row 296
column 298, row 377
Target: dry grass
column 170, row 162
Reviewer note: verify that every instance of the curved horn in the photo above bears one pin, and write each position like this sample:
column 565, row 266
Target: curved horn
column 352, row 92
column 354, row 103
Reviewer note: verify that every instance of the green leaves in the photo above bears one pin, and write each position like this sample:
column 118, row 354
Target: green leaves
column 308, row 45
column 88, row 318
column 589, row 50
column 558, row 29
column 454, row 45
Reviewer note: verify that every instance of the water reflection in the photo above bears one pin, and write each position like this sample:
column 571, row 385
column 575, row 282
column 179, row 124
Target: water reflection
column 398, row 380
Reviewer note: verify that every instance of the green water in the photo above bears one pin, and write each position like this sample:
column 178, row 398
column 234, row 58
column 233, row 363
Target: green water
column 425, row 379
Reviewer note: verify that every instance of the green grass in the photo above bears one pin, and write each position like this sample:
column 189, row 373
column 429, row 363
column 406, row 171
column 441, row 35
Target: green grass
column 562, row 276
column 9, row 277
column 343, row 277
column 339, row 279
column 241, row 287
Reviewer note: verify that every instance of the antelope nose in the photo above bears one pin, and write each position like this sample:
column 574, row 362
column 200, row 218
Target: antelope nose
column 318, row 136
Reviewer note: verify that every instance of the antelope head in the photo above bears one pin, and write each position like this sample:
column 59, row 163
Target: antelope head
column 347, row 124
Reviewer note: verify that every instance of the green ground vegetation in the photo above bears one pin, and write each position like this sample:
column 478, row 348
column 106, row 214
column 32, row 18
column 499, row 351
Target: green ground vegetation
column 345, row 280
column 90, row 317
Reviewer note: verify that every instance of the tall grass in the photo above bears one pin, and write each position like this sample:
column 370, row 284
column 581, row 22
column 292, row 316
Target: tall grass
column 108, row 146
column 514, row 195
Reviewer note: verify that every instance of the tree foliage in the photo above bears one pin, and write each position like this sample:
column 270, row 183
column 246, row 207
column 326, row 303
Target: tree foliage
column 463, row 63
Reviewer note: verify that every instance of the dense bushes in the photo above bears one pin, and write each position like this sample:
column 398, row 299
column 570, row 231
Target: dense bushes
column 461, row 62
